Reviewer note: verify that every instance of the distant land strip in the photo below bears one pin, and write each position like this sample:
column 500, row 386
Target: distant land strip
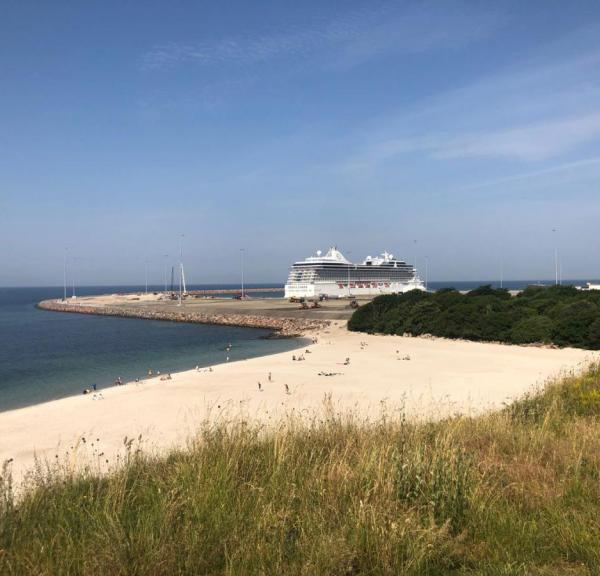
column 283, row 327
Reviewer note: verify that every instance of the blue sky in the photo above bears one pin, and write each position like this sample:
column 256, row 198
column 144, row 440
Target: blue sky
column 464, row 132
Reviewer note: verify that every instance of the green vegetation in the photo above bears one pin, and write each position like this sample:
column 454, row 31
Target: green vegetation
column 514, row 492
column 560, row 315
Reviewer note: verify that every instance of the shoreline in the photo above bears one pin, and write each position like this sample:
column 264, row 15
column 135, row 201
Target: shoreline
column 300, row 343
column 421, row 378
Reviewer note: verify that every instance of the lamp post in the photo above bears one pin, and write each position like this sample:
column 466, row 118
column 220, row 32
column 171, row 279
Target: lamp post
column 349, row 266
column 555, row 257
column 65, row 276
column 415, row 264
column 501, row 267
column 242, row 257
column 146, row 275
column 426, row 272
column 180, row 270
column 165, row 271
column 73, row 277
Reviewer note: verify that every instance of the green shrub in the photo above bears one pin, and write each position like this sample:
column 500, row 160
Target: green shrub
column 573, row 323
column 422, row 317
column 561, row 315
column 594, row 335
column 532, row 329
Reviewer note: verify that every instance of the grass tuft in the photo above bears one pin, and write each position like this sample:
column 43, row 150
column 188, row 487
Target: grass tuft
column 514, row 492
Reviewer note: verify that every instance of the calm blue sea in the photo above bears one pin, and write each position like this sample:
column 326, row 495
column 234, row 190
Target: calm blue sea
column 47, row 355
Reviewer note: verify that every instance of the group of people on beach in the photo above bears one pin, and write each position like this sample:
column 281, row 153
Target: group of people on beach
column 198, row 369
column 270, row 378
column 119, row 380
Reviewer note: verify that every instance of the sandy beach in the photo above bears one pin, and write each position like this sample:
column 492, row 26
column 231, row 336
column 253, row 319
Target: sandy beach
column 426, row 378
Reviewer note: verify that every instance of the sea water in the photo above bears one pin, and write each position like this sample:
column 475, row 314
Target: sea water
column 46, row 355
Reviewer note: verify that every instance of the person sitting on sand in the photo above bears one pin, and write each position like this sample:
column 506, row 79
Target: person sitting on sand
column 150, row 372
column 294, row 357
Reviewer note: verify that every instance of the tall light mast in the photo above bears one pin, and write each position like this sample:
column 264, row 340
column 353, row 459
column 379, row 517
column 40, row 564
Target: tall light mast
column 65, row 276
column 242, row 255
column 415, row 264
column 349, row 266
column 181, row 280
column 555, row 258
column 165, row 256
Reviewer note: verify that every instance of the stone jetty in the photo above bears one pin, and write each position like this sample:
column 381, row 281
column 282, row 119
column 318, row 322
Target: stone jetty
column 216, row 292
column 281, row 326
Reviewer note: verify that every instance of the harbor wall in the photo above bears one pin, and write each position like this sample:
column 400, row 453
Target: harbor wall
column 281, row 326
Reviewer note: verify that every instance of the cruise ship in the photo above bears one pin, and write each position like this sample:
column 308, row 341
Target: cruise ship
column 334, row 276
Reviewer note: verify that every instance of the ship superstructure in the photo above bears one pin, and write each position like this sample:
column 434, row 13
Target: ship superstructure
column 334, row 276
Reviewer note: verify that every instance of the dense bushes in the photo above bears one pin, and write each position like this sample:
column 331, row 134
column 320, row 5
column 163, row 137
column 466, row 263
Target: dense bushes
column 561, row 315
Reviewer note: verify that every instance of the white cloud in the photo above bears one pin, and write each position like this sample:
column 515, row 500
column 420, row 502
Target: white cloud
column 527, row 176
column 533, row 142
column 538, row 109
column 347, row 40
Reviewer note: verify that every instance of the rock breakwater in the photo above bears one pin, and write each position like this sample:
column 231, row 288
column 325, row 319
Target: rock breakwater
column 282, row 327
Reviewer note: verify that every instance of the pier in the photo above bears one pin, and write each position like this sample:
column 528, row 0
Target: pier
column 218, row 291
column 283, row 318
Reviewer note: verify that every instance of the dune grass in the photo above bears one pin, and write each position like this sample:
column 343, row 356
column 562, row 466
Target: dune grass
column 514, row 492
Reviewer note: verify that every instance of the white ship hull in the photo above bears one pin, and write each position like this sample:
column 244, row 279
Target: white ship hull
column 334, row 276
column 356, row 289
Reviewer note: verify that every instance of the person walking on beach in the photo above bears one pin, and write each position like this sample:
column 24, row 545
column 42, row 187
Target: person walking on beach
column 259, row 387
column 269, row 377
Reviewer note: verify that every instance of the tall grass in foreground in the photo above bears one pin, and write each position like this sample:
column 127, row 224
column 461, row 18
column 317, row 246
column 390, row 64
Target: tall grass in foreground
column 515, row 492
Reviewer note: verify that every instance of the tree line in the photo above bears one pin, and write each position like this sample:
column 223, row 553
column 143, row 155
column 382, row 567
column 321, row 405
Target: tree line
column 560, row 315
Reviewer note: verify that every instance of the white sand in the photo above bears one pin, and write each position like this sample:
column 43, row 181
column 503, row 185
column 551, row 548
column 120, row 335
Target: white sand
column 441, row 377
